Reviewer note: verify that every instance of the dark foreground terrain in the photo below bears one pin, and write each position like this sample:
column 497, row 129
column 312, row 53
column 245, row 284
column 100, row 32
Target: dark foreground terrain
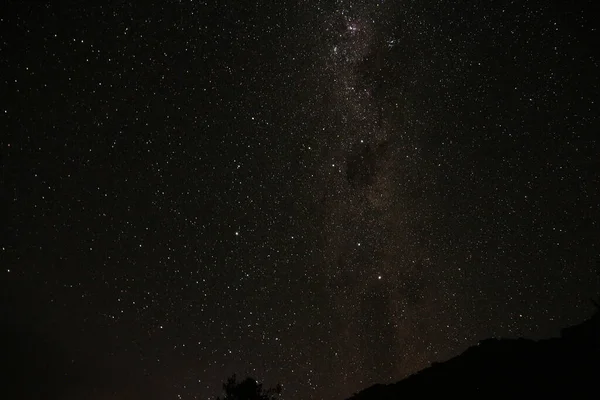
column 514, row 368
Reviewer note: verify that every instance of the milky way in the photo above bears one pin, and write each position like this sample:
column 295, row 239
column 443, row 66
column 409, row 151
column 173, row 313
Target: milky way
column 374, row 205
column 330, row 194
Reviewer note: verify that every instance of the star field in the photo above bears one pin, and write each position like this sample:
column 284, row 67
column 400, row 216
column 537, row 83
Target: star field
column 325, row 194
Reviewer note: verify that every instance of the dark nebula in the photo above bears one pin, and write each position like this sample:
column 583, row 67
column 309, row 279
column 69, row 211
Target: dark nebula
column 361, row 165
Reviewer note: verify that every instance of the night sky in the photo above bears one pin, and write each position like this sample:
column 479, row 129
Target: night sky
column 326, row 194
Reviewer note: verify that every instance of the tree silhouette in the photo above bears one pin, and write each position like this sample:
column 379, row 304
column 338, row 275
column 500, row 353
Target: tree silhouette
column 248, row 389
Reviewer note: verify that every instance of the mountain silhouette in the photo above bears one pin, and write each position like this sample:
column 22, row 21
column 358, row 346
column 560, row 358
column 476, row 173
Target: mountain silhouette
column 567, row 366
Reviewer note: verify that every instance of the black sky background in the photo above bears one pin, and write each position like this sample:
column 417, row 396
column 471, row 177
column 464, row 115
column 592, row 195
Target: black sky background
column 325, row 194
